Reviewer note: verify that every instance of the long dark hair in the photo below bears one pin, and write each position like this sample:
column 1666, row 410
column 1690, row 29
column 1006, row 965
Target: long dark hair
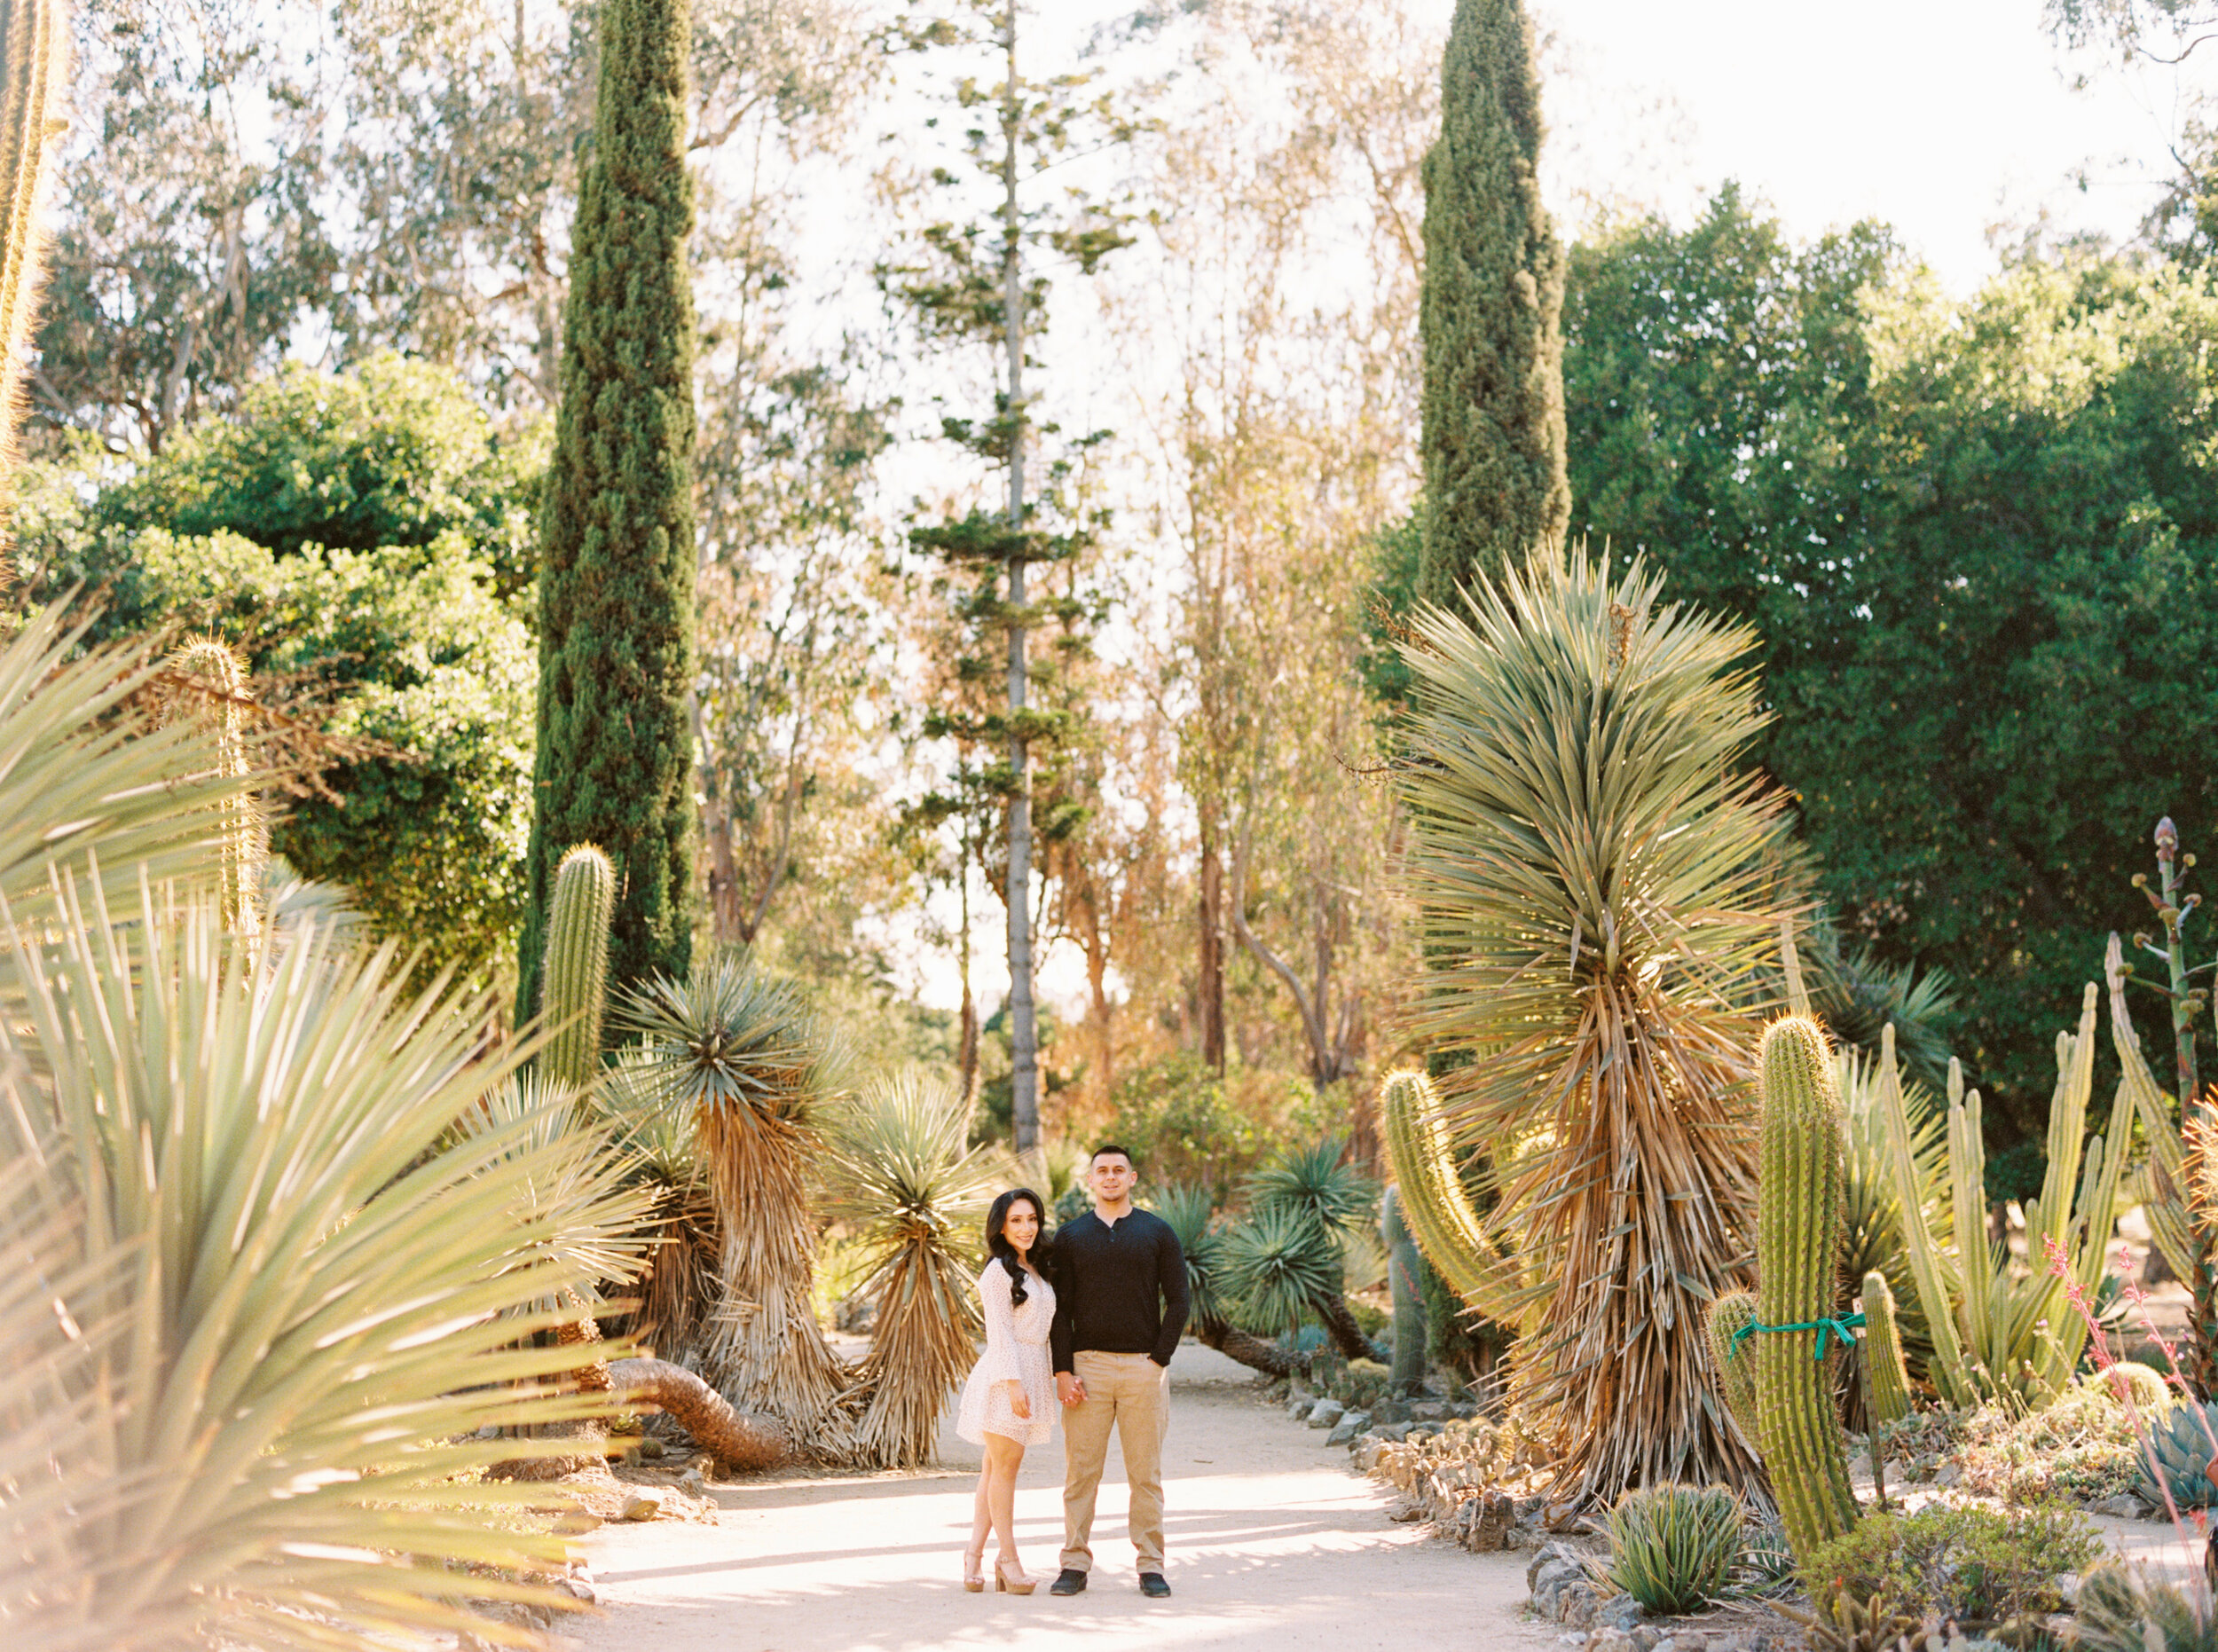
column 997, row 1242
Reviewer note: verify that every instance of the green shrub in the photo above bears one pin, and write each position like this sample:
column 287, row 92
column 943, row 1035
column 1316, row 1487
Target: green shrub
column 1672, row 1547
column 1972, row 1564
column 1360, row 1384
column 2082, row 1448
column 1176, row 1118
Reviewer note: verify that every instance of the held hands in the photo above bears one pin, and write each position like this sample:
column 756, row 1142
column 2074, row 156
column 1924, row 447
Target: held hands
column 1069, row 1389
column 1019, row 1402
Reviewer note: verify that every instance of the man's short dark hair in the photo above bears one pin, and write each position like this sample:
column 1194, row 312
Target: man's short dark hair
column 1110, row 1147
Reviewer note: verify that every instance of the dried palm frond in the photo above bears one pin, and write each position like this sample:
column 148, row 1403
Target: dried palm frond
column 294, row 1309
column 903, row 1176
column 741, row 1055
column 1600, row 887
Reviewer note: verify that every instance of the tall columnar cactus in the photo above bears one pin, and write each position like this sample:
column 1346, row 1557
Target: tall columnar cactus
column 33, row 89
column 1403, row 1263
column 577, row 965
column 1797, row 1244
column 1735, row 1365
column 1886, row 1380
column 1432, row 1199
column 211, row 681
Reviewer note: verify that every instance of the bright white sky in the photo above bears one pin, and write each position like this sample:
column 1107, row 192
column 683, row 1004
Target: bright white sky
column 1943, row 117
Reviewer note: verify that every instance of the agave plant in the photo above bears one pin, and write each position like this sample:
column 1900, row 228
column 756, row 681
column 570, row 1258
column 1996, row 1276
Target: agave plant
column 740, row 1055
column 307, row 1293
column 1599, row 880
column 902, row 1174
column 1672, row 1548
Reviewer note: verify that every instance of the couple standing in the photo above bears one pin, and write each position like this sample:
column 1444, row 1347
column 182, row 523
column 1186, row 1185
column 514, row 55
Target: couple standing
column 1087, row 1320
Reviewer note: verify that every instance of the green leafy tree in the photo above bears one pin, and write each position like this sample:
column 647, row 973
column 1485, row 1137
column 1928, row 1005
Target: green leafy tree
column 1976, row 540
column 407, row 644
column 1495, row 484
column 613, row 761
column 394, row 453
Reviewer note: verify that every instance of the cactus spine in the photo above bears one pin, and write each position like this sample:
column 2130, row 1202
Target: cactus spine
column 1403, row 1263
column 1799, row 1202
column 1433, row 1203
column 1886, row 1380
column 576, row 970
column 211, row 681
column 33, row 89
column 1735, row 1368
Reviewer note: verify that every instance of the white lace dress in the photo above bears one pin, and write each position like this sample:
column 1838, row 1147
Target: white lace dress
column 1016, row 1346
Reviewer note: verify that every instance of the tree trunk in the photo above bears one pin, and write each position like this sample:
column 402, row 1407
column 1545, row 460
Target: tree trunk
column 735, row 1442
column 1210, row 989
column 1268, row 1357
column 1340, row 1325
column 1024, row 1077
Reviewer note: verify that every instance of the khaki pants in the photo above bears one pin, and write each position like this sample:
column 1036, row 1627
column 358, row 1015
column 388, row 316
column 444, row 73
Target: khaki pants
column 1132, row 1392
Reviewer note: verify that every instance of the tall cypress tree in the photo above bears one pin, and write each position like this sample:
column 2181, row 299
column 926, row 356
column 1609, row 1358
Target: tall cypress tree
column 617, row 557
column 1492, row 315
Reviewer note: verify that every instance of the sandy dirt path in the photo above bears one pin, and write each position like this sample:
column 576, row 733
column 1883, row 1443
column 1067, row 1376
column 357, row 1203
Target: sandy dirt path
column 1274, row 1545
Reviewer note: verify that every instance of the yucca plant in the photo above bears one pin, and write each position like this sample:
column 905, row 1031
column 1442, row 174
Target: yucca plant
column 675, row 1301
column 1318, row 1186
column 1276, row 1266
column 1673, row 1547
column 1600, row 882
column 1187, row 1207
column 740, row 1055
column 309, row 1292
column 902, row 1174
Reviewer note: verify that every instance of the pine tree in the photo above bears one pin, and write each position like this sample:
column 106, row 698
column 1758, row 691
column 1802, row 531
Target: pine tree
column 1491, row 321
column 617, row 556
column 979, row 284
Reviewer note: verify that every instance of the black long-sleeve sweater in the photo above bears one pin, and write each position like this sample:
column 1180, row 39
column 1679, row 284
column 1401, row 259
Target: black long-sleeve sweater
column 1119, row 1287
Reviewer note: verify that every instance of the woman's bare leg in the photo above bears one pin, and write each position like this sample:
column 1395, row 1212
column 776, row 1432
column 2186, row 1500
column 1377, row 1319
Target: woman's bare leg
column 997, row 1480
column 981, row 1517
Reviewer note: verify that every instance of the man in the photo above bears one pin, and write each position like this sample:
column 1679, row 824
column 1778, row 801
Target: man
column 1119, row 1304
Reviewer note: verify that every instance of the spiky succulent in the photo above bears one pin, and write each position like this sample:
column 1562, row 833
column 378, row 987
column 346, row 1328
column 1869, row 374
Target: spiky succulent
column 2182, row 1446
column 1673, row 1547
column 1186, row 1207
column 1278, row 1265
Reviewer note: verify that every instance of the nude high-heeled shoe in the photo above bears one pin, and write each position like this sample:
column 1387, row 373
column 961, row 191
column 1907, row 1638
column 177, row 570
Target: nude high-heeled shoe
column 973, row 1580
column 1018, row 1585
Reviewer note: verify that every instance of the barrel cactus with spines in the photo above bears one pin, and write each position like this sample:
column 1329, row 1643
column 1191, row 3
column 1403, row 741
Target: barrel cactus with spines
column 1408, row 1287
column 1800, row 1201
column 2128, row 1383
column 1735, row 1365
column 1886, row 1380
column 575, row 972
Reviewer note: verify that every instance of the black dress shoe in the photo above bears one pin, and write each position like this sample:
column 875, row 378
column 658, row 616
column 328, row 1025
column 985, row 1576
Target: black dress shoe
column 1071, row 1581
column 1152, row 1585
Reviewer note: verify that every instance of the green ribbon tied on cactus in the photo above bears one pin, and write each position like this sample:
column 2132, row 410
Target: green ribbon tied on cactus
column 1843, row 1326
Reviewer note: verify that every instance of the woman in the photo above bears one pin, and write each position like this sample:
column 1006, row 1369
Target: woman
column 1009, row 1403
